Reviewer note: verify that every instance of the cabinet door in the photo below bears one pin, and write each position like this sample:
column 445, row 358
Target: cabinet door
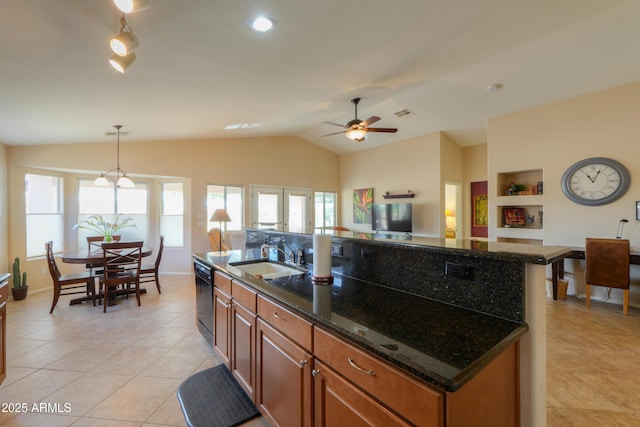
column 221, row 316
column 284, row 382
column 337, row 402
column 243, row 338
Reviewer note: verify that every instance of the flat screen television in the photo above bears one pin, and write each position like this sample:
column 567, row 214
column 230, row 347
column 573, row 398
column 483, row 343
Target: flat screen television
column 392, row 217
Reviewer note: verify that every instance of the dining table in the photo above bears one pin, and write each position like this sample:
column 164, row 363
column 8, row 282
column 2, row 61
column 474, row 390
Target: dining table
column 91, row 256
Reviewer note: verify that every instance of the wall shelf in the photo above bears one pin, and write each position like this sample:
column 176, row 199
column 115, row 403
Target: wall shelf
column 408, row 195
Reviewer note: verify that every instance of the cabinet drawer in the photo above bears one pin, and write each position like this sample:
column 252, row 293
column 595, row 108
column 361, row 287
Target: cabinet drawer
column 4, row 293
column 406, row 395
column 290, row 324
column 244, row 295
column 222, row 281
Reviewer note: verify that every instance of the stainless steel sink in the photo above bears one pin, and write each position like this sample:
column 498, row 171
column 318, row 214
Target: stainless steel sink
column 267, row 269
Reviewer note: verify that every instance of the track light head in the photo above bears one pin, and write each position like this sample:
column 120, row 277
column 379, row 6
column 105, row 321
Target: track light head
column 124, row 43
column 131, row 6
column 121, row 63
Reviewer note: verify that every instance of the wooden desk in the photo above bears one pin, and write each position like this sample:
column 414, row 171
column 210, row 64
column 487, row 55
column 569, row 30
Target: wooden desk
column 557, row 268
column 94, row 256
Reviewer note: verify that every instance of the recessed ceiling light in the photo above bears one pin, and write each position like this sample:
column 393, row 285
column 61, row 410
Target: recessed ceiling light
column 494, row 87
column 262, row 24
column 242, row 126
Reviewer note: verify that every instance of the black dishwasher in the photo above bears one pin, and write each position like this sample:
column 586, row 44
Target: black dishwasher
column 204, row 299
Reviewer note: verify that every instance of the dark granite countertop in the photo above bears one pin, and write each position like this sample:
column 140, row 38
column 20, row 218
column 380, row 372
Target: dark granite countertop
column 443, row 344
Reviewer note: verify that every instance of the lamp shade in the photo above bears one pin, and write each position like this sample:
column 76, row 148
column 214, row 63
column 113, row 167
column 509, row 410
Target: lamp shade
column 121, row 63
column 130, row 6
column 101, row 181
column 220, row 215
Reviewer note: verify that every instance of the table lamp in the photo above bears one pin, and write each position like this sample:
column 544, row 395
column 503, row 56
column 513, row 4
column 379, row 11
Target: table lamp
column 220, row 216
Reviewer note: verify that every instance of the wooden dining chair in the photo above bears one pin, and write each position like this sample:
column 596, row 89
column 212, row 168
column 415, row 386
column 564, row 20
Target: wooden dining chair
column 607, row 264
column 149, row 272
column 94, row 243
column 68, row 284
column 121, row 267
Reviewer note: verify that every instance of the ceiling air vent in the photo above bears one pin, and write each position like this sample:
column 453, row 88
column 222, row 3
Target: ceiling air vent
column 405, row 112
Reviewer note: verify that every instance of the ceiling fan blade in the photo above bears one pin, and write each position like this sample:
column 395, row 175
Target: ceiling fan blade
column 336, row 124
column 335, row 133
column 387, row 130
column 370, row 120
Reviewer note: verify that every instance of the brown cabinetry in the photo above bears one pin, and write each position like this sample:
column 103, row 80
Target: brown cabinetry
column 284, row 384
column 337, row 402
column 243, row 337
column 4, row 296
column 221, row 323
column 401, row 393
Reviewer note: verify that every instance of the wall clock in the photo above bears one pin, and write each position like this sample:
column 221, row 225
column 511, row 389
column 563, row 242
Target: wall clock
column 595, row 181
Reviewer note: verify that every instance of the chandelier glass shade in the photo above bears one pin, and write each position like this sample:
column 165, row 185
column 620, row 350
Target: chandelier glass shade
column 121, row 179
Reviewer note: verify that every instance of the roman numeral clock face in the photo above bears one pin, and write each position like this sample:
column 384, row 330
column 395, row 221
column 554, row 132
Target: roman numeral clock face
column 596, row 181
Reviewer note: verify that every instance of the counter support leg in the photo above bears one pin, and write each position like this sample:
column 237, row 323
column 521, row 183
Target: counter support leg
column 533, row 350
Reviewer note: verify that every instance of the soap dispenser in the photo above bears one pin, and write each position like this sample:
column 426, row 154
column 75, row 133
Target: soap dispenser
column 264, row 250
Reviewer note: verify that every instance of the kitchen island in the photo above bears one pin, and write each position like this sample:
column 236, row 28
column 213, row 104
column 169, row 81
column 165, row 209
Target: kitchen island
column 436, row 335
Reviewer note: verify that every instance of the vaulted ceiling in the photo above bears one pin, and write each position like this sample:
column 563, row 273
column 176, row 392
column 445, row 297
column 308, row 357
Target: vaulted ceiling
column 200, row 67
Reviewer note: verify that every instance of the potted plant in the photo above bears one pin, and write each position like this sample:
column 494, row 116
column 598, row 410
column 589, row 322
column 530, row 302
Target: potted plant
column 20, row 288
column 98, row 224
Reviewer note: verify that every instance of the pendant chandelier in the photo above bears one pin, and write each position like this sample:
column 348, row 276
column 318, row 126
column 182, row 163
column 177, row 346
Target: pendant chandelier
column 121, row 180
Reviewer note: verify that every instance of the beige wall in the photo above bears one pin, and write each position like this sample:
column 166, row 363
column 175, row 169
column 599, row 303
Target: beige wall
column 474, row 161
column 413, row 164
column 554, row 136
column 283, row 161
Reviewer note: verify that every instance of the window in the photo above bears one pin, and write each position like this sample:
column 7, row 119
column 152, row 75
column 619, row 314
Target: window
column 44, row 215
column 325, row 210
column 172, row 213
column 229, row 198
column 110, row 202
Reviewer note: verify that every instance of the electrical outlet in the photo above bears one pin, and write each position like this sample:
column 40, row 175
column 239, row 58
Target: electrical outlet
column 458, row 270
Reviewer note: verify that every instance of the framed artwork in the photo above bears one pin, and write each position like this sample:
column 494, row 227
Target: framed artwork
column 480, row 211
column 362, row 205
column 514, row 217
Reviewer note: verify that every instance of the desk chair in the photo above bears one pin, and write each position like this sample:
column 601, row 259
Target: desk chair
column 68, row 284
column 121, row 267
column 149, row 272
column 607, row 264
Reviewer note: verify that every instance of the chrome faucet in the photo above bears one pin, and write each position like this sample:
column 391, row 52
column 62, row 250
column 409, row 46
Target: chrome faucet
column 290, row 255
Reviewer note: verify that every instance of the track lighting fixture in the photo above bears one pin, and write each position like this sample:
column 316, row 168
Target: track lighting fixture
column 131, row 6
column 121, row 63
column 125, row 42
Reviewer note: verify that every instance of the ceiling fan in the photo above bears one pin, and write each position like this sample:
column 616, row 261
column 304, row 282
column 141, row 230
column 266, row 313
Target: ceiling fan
column 357, row 130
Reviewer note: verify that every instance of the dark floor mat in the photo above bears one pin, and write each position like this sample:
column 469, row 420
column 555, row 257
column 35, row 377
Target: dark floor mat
column 213, row 398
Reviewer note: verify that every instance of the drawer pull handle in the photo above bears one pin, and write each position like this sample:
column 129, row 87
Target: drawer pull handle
column 359, row 368
column 315, row 373
column 302, row 363
column 277, row 316
column 225, row 304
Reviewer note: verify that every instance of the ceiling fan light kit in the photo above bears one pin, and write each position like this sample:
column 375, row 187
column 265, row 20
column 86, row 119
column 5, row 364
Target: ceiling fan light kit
column 357, row 130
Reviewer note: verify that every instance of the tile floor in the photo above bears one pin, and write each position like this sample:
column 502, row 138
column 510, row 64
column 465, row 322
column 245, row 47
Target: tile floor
column 123, row 368
column 593, row 364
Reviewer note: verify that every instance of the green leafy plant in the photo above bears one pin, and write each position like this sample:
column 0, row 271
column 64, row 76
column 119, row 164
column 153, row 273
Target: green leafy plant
column 18, row 280
column 97, row 223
